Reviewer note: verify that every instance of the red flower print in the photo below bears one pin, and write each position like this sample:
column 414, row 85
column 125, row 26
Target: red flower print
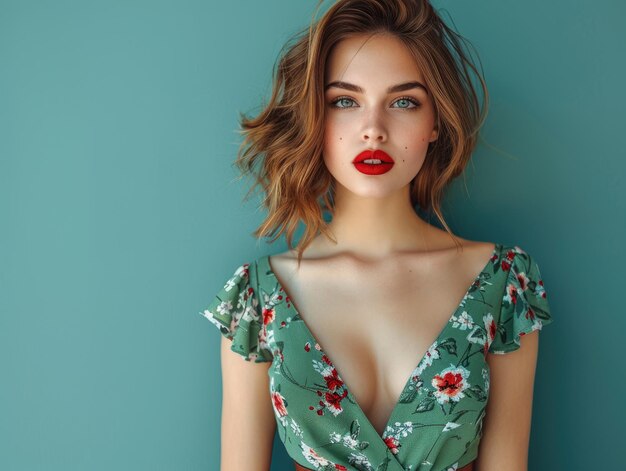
column 341, row 467
column 333, row 381
column 490, row 327
column 333, row 401
column 279, row 404
column 450, row 384
column 505, row 265
column 268, row 315
column 512, row 292
column 307, row 347
column 530, row 314
column 523, row 280
column 393, row 444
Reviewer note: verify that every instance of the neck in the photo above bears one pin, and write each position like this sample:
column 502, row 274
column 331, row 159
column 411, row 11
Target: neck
column 375, row 228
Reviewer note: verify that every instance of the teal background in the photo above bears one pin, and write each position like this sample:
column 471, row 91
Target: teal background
column 120, row 216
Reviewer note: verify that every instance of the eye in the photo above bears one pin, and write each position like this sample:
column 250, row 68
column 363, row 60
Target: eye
column 405, row 101
column 341, row 99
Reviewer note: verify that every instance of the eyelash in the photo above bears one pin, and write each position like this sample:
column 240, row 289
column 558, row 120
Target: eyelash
column 408, row 98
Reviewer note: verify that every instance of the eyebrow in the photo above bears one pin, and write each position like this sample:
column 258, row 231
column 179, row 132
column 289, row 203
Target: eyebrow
column 401, row 87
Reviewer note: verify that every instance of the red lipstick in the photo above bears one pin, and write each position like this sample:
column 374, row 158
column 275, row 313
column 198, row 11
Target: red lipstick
column 373, row 162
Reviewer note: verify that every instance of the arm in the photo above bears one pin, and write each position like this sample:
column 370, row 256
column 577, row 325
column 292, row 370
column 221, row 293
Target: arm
column 248, row 422
column 506, row 427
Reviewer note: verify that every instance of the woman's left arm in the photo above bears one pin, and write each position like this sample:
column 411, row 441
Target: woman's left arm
column 506, row 426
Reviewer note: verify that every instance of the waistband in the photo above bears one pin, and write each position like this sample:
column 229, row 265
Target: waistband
column 467, row 467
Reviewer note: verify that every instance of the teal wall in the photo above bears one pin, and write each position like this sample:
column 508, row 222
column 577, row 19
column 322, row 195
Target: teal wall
column 120, row 216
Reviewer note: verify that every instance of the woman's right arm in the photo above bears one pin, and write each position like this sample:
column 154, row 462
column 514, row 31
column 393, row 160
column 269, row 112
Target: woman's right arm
column 248, row 422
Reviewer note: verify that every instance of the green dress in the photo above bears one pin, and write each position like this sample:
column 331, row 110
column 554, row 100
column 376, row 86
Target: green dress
column 437, row 422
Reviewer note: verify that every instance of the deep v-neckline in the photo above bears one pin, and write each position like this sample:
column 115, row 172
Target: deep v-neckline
column 394, row 411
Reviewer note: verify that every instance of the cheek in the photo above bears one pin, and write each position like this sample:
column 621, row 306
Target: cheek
column 334, row 141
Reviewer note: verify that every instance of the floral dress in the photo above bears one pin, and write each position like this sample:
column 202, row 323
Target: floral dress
column 436, row 423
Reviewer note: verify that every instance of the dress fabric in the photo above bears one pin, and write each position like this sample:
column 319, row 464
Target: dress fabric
column 436, row 424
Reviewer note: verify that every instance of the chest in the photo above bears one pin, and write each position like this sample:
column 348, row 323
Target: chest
column 376, row 322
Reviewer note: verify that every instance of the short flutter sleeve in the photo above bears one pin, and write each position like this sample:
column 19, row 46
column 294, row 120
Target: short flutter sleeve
column 524, row 306
column 235, row 311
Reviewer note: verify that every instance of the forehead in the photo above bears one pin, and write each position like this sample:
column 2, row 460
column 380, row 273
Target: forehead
column 359, row 58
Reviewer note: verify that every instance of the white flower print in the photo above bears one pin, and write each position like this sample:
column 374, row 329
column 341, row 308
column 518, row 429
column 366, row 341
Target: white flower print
column 540, row 290
column 312, row 457
column 450, row 426
column 431, row 354
column 209, row 315
column 477, row 335
column 335, row 437
column 490, row 328
column 230, row 284
column 485, row 374
column 346, row 440
column 322, row 368
column 398, row 430
column 393, row 435
column 360, row 460
column 463, row 322
column 224, row 307
column 295, row 428
column 350, row 442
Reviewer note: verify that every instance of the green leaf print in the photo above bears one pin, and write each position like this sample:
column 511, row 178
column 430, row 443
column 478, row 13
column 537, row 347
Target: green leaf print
column 449, row 345
column 426, row 404
column 408, row 395
column 476, row 392
column 355, row 429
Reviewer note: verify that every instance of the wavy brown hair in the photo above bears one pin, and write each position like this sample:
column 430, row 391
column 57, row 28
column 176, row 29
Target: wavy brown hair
column 282, row 146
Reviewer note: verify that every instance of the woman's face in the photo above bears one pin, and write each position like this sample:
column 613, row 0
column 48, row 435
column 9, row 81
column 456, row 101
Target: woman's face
column 375, row 99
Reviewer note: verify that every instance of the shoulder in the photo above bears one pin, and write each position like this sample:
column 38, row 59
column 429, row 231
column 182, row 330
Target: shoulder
column 235, row 310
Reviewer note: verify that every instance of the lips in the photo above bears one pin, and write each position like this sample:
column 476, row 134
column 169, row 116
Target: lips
column 373, row 154
column 379, row 162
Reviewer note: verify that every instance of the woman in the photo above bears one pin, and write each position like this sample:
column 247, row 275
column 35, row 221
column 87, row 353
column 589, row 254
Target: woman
column 376, row 343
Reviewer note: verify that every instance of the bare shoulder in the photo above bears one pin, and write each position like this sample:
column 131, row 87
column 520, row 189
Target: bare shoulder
column 468, row 257
column 442, row 255
column 477, row 253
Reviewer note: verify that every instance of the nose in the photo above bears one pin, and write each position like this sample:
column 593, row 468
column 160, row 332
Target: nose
column 374, row 129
